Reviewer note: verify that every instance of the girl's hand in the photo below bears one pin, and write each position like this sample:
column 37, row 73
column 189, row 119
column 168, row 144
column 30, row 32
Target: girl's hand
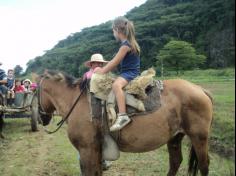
column 98, row 70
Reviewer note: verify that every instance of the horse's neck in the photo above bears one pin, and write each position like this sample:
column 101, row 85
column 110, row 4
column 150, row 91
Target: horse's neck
column 64, row 101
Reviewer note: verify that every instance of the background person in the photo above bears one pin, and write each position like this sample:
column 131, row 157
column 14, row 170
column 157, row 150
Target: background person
column 27, row 85
column 18, row 86
column 10, row 87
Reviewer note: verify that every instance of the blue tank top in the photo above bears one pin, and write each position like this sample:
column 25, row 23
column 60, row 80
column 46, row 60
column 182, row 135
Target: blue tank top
column 131, row 61
column 10, row 83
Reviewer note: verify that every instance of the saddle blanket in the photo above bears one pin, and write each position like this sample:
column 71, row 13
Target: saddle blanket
column 101, row 84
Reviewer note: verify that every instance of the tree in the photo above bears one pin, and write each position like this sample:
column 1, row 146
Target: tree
column 179, row 55
column 18, row 70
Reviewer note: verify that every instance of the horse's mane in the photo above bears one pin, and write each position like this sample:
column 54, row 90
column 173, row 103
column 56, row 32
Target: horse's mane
column 59, row 76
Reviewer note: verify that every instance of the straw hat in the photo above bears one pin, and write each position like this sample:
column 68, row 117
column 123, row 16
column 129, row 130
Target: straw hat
column 95, row 58
column 27, row 80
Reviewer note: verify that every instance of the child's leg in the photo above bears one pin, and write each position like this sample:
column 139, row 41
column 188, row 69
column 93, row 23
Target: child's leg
column 117, row 88
column 8, row 97
column 8, row 94
column 13, row 95
column 122, row 118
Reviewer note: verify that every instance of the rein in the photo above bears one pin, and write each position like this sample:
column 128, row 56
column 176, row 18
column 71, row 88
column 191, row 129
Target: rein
column 59, row 124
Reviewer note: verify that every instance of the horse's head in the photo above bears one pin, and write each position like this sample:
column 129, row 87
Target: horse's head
column 45, row 107
column 51, row 87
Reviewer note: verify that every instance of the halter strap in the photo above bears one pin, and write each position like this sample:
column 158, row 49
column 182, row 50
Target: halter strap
column 40, row 107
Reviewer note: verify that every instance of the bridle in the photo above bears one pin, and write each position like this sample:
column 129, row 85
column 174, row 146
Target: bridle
column 40, row 107
column 43, row 112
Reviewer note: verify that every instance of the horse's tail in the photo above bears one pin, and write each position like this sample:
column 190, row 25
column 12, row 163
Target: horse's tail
column 193, row 163
column 208, row 93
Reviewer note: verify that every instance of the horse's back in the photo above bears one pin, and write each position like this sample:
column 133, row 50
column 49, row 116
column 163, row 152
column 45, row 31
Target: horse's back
column 187, row 91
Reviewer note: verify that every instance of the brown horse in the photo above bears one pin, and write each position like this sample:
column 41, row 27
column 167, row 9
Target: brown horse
column 186, row 110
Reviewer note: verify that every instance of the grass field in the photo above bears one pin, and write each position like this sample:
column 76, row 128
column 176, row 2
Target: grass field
column 39, row 154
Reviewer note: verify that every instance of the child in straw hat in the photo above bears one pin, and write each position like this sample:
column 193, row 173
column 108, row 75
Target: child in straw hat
column 96, row 60
column 26, row 84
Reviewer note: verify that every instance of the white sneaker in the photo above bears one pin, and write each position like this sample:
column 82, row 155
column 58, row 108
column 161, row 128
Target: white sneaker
column 120, row 122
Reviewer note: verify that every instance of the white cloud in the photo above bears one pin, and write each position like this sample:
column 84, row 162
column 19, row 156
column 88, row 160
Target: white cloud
column 28, row 27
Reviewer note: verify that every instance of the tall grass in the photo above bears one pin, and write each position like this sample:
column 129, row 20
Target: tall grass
column 208, row 75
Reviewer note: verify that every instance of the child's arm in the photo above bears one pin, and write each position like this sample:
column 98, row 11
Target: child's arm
column 3, row 81
column 115, row 61
column 14, row 85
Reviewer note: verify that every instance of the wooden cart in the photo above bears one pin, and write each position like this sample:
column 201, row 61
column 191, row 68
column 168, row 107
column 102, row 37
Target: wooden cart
column 25, row 106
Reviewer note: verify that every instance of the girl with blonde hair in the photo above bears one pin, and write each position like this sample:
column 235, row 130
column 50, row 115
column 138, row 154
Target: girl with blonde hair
column 128, row 59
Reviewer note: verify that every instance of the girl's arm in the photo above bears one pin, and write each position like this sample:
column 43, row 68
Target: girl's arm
column 115, row 61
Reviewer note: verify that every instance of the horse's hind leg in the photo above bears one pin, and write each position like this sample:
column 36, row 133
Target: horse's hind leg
column 198, row 130
column 200, row 149
column 175, row 153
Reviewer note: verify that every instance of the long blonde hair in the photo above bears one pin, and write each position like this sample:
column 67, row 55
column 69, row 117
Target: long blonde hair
column 126, row 27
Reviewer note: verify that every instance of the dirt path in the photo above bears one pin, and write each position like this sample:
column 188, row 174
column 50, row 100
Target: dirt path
column 22, row 153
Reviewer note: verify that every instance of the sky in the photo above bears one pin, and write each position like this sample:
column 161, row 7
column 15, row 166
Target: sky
column 30, row 27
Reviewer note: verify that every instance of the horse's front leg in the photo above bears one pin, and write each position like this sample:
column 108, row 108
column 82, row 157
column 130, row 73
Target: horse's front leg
column 90, row 161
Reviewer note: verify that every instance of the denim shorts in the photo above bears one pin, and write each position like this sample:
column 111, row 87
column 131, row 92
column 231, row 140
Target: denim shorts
column 129, row 75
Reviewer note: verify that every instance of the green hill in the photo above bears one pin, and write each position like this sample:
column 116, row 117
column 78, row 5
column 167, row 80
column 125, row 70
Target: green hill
column 207, row 24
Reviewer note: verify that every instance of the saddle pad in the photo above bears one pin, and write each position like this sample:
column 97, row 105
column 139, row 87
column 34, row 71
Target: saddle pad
column 152, row 102
column 101, row 84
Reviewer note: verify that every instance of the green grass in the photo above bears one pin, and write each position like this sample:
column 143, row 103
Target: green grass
column 209, row 75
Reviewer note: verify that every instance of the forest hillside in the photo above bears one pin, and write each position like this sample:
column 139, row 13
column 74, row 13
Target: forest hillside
column 208, row 25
